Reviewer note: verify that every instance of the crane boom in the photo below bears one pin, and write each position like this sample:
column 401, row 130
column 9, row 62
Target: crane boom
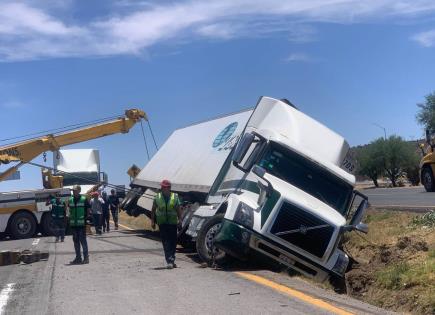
column 26, row 151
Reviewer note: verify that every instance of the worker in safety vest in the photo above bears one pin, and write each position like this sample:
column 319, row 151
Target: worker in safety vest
column 58, row 214
column 79, row 207
column 166, row 213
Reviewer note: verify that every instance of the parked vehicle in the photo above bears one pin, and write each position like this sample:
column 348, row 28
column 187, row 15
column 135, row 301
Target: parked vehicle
column 268, row 181
column 21, row 212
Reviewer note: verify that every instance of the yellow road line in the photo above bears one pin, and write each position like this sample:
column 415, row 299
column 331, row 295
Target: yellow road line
column 293, row 293
column 123, row 226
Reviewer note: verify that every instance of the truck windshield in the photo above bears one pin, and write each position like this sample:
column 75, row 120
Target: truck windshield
column 307, row 176
column 80, row 178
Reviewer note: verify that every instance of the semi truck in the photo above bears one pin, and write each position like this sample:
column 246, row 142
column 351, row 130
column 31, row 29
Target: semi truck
column 269, row 181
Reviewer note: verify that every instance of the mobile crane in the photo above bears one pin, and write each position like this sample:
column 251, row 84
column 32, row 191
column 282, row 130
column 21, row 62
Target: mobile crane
column 22, row 212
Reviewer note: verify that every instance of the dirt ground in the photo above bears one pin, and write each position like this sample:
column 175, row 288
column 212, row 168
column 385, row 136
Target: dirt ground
column 395, row 263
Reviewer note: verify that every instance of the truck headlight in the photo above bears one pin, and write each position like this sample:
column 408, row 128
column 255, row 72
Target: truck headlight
column 341, row 264
column 244, row 215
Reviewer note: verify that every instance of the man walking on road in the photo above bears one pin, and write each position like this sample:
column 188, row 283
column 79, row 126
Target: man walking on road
column 78, row 207
column 114, row 206
column 106, row 213
column 58, row 214
column 97, row 211
column 166, row 213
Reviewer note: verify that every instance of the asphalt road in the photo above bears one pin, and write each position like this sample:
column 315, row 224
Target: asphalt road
column 405, row 198
column 125, row 276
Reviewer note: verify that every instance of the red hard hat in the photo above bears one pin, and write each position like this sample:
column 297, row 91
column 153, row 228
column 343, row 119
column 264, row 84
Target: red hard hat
column 165, row 183
column 95, row 193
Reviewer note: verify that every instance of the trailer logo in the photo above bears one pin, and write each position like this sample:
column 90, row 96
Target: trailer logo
column 225, row 135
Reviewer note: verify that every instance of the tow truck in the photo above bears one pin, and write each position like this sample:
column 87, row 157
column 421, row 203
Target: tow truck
column 23, row 213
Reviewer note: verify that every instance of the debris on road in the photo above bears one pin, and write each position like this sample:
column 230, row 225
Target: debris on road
column 13, row 257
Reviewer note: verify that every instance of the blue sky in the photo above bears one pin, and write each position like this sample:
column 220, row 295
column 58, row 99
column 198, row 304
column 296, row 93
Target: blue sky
column 347, row 63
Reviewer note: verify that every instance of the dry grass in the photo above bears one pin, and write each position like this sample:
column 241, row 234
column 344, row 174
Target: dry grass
column 141, row 222
column 397, row 260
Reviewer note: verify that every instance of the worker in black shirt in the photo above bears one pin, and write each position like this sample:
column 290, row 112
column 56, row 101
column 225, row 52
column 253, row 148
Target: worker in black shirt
column 106, row 213
column 58, row 214
column 114, row 207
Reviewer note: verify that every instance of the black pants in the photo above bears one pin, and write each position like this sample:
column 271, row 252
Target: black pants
column 115, row 216
column 79, row 237
column 168, row 233
column 106, row 220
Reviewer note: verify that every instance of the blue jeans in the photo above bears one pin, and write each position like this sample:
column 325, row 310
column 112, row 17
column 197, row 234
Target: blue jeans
column 168, row 233
column 79, row 237
column 97, row 222
column 59, row 228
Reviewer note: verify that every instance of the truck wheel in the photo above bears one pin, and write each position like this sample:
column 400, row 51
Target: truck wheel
column 427, row 179
column 205, row 241
column 47, row 225
column 22, row 225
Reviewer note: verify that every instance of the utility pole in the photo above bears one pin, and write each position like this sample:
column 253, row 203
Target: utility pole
column 385, row 131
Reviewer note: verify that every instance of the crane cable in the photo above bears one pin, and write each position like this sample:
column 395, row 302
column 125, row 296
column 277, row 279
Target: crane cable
column 152, row 135
column 145, row 140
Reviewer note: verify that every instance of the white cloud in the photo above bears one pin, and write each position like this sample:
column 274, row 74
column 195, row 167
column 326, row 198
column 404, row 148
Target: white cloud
column 426, row 39
column 298, row 57
column 12, row 105
column 37, row 30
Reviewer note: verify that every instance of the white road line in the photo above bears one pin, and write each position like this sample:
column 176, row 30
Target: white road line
column 5, row 294
column 36, row 242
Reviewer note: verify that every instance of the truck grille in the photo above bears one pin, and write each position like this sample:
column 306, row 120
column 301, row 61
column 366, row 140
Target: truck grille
column 302, row 229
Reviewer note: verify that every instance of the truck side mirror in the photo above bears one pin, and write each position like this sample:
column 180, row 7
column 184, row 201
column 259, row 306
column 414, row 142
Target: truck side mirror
column 242, row 148
column 359, row 213
column 362, row 227
column 260, row 172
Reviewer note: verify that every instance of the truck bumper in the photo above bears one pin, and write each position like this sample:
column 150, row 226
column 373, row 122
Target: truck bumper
column 239, row 241
column 233, row 239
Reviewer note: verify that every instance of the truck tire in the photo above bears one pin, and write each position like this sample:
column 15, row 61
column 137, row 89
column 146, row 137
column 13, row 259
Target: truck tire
column 204, row 242
column 47, row 225
column 22, row 225
column 427, row 179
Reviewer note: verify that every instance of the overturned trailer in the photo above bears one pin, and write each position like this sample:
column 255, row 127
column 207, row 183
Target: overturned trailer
column 269, row 180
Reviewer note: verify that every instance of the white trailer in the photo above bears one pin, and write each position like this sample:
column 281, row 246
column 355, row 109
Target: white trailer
column 79, row 167
column 269, row 181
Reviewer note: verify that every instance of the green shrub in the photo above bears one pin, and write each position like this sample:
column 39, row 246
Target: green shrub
column 427, row 220
column 391, row 278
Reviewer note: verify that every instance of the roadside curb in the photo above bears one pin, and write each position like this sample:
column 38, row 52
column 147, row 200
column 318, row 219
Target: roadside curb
column 416, row 209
